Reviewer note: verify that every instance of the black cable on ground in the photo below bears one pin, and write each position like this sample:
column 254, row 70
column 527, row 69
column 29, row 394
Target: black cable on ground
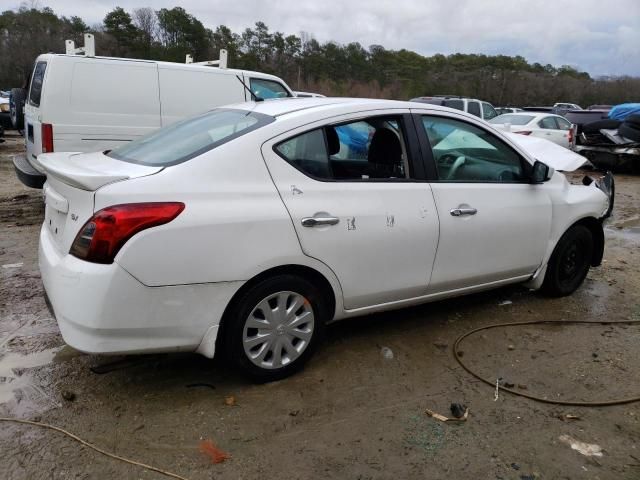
column 457, row 356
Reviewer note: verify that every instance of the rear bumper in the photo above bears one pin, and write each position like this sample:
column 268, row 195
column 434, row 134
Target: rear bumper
column 26, row 173
column 103, row 309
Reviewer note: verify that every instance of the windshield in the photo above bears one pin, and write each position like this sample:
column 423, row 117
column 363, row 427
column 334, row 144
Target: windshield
column 189, row 138
column 512, row 119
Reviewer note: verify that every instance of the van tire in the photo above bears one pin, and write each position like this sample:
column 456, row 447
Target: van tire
column 16, row 105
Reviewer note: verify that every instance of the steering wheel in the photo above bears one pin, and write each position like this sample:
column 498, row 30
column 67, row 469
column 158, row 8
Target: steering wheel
column 459, row 162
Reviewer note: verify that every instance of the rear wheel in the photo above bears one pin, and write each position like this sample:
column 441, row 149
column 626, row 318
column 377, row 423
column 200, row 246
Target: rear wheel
column 274, row 327
column 569, row 262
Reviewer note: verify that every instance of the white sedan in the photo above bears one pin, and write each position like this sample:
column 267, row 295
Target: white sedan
column 554, row 128
column 244, row 231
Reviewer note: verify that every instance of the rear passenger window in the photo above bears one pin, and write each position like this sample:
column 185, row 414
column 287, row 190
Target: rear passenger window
column 563, row 124
column 474, row 108
column 35, row 91
column 268, row 89
column 548, row 123
column 362, row 150
column 457, row 104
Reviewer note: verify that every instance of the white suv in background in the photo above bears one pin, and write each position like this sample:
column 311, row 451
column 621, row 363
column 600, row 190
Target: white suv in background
column 476, row 107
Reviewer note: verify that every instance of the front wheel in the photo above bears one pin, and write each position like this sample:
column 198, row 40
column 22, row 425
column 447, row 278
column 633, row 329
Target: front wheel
column 274, row 327
column 569, row 262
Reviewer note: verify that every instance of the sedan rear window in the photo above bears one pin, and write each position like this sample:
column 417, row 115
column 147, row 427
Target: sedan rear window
column 189, row 138
column 512, row 119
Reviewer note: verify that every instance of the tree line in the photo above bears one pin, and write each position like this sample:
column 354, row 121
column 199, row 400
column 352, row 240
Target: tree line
column 303, row 62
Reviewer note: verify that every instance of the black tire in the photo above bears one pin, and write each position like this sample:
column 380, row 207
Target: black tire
column 595, row 127
column 16, row 105
column 569, row 262
column 629, row 131
column 233, row 329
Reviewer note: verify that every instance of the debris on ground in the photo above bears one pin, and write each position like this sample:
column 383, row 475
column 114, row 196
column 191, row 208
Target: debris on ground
column 587, row 449
column 458, row 410
column 511, row 347
column 505, row 302
column 568, row 416
column 68, row 395
column 230, row 401
column 214, row 453
column 13, row 265
column 387, row 353
column 442, row 418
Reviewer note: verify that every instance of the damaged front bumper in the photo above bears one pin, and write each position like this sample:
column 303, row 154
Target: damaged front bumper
column 608, row 186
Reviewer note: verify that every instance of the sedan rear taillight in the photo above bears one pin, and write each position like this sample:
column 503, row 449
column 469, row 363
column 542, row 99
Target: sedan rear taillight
column 104, row 234
column 47, row 137
column 524, row 132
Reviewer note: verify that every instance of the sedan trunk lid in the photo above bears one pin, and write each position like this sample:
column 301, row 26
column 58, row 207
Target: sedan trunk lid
column 90, row 171
column 72, row 180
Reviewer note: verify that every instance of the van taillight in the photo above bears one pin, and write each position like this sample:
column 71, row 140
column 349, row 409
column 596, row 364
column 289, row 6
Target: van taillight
column 47, row 138
column 101, row 238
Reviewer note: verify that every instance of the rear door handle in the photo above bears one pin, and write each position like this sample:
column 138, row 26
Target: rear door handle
column 319, row 221
column 458, row 212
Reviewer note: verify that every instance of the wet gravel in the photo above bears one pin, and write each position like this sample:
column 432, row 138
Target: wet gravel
column 353, row 412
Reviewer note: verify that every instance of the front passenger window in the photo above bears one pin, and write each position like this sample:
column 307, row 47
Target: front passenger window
column 465, row 153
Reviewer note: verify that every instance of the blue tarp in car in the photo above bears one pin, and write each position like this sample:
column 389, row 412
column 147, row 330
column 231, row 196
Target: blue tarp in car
column 622, row 111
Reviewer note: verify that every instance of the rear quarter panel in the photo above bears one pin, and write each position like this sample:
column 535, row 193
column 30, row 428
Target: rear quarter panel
column 234, row 225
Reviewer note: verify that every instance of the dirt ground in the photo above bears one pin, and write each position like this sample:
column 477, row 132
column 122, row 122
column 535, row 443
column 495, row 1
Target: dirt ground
column 352, row 413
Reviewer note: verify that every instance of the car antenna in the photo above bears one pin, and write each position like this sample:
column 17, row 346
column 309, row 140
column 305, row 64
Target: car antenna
column 255, row 97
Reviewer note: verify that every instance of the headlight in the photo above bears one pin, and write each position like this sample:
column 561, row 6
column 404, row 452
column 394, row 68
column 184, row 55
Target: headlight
column 4, row 107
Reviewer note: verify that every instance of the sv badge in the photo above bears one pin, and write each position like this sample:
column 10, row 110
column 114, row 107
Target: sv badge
column 74, row 217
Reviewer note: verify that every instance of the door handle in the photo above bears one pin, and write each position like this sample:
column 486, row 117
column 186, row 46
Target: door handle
column 319, row 221
column 458, row 212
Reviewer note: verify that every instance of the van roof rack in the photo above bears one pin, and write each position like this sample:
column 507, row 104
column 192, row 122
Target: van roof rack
column 88, row 50
column 220, row 63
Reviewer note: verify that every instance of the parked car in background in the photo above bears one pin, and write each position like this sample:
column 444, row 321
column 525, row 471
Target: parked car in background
column 473, row 106
column 82, row 104
column 599, row 107
column 503, row 110
column 551, row 127
column 241, row 232
column 567, row 106
column 5, row 110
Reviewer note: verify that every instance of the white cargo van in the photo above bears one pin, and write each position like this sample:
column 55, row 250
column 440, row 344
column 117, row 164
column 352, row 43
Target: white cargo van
column 82, row 104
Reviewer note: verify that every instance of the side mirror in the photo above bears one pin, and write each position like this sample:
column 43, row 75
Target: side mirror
column 540, row 172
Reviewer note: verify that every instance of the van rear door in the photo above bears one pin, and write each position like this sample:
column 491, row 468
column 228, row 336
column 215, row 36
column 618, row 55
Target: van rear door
column 32, row 112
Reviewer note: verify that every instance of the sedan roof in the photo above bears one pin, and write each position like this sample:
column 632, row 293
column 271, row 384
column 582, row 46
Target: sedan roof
column 283, row 106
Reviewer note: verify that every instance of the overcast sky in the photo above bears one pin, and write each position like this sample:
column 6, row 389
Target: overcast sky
column 601, row 37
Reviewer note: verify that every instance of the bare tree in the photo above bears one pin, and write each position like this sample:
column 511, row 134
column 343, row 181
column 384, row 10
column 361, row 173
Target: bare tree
column 146, row 20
